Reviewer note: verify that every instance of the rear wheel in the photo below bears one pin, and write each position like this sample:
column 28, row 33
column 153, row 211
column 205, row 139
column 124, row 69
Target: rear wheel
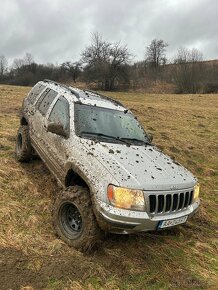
column 23, row 149
column 73, row 219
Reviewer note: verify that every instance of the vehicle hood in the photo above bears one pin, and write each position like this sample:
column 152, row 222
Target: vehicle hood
column 140, row 167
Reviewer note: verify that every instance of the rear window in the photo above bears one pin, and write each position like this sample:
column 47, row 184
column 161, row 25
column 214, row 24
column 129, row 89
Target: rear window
column 45, row 101
column 36, row 90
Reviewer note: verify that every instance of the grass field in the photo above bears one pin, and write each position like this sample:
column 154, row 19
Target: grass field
column 31, row 257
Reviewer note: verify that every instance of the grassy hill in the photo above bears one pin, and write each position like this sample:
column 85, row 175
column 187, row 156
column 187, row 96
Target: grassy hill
column 31, row 257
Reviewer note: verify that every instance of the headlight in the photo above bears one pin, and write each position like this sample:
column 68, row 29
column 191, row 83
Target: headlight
column 126, row 198
column 196, row 191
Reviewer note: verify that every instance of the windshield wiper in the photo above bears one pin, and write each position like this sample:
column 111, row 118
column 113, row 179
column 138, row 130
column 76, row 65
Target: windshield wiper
column 105, row 136
column 136, row 140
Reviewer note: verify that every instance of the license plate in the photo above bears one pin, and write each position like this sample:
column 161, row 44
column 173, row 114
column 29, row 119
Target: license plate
column 173, row 222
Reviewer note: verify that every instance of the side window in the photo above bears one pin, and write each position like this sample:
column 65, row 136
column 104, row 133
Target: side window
column 42, row 97
column 60, row 113
column 36, row 90
column 45, row 101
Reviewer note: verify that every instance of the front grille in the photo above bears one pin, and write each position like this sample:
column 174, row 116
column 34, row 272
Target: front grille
column 163, row 203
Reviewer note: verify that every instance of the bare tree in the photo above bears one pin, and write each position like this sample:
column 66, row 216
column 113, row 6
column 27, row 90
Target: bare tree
column 96, row 60
column 28, row 59
column 185, row 55
column 155, row 53
column 17, row 63
column 187, row 73
column 3, row 65
column 155, row 58
column 105, row 62
column 73, row 69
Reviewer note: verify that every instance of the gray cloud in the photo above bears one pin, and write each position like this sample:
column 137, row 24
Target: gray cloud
column 58, row 30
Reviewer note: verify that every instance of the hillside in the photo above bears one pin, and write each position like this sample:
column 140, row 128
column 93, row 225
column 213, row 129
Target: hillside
column 184, row 126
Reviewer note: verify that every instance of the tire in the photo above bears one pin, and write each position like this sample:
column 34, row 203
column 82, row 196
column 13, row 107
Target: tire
column 73, row 219
column 23, row 149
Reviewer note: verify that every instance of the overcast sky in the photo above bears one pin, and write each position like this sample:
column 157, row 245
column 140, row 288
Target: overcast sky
column 58, row 30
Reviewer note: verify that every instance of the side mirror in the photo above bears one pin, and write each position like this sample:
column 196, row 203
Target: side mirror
column 150, row 137
column 57, row 129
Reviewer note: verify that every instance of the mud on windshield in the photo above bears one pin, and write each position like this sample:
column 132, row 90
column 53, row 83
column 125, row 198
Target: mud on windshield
column 108, row 125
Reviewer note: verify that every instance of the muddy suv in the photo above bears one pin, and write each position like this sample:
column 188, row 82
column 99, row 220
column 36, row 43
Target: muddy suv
column 113, row 178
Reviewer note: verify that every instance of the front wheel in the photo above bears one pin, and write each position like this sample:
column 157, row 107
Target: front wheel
column 73, row 218
column 23, row 149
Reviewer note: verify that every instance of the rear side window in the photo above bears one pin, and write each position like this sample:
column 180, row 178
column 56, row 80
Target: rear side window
column 45, row 101
column 36, row 90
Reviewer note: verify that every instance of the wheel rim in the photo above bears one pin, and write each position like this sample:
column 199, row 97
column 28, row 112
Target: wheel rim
column 19, row 142
column 71, row 220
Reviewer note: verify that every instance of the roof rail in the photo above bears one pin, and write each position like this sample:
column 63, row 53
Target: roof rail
column 56, row 83
column 64, row 86
column 77, row 95
column 105, row 97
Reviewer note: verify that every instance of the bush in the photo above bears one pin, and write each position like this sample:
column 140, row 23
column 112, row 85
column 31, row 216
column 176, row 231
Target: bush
column 211, row 88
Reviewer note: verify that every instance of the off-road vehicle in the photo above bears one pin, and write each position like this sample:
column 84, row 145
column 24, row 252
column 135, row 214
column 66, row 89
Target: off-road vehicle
column 113, row 178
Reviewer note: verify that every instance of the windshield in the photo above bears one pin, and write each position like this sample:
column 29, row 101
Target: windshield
column 105, row 123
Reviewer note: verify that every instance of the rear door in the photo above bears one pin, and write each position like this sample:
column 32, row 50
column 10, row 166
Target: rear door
column 38, row 128
column 28, row 103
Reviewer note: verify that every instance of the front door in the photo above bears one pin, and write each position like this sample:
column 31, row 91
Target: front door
column 57, row 144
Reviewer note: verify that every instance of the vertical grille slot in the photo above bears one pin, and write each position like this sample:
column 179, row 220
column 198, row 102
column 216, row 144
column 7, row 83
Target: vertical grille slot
column 168, row 202
column 160, row 203
column 181, row 200
column 152, row 201
column 175, row 201
column 190, row 198
column 186, row 199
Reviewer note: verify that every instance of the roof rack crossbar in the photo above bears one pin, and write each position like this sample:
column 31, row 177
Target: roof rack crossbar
column 75, row 93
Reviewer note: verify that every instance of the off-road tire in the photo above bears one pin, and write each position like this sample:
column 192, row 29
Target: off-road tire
column 90, row 234
column 23, row 148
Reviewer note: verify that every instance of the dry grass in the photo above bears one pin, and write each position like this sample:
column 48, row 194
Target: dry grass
column 31, row 257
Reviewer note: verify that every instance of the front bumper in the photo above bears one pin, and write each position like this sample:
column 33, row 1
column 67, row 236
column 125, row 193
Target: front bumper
column 117, row 220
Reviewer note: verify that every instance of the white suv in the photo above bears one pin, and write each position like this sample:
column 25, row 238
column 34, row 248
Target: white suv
column 113, row 178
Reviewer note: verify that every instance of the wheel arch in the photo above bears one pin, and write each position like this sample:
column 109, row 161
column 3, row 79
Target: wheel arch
column 23, row 121
column 76, row 172
column 73, row 178
column 75, row 175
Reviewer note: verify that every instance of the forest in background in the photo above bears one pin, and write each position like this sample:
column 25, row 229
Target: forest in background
column 109, row 66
